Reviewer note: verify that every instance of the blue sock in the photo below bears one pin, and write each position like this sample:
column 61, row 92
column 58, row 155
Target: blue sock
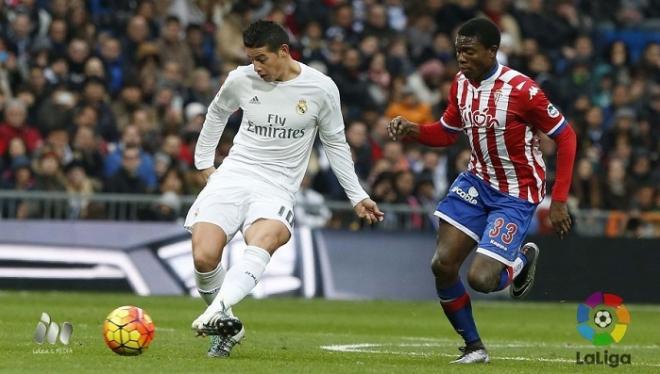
column 506, row 277
column 510, row 272
column 458, row 309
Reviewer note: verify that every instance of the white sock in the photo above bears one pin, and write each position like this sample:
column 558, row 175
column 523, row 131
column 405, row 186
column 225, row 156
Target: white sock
column 208, row 284
column 518, row 265
column 243, row 276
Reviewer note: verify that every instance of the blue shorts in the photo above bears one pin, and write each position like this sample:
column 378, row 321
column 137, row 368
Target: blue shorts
column 495, row 220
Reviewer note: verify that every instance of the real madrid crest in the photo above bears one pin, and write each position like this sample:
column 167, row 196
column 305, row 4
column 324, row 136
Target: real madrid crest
column 301, row 107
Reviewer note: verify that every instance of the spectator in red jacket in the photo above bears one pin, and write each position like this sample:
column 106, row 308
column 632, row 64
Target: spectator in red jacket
column 14, row 126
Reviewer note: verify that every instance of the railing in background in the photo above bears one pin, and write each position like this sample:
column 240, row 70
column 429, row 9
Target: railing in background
column 133, row 207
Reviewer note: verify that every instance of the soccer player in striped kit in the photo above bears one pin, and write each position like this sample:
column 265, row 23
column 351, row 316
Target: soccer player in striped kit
column 490, row 206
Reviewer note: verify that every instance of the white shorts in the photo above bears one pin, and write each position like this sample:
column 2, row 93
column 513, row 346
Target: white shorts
column 233, row 202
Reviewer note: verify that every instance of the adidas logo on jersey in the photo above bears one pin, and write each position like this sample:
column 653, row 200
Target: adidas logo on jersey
column 254, row 100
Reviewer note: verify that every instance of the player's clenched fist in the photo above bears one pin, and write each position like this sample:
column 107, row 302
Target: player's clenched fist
column 400, row 127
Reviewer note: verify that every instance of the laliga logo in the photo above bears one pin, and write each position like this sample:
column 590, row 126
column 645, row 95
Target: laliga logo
column 603, row 319
column 50, row 330
column 477, row 118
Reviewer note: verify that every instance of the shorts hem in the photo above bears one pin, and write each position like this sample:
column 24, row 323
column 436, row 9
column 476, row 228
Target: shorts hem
column 495, row 256
column 289, row 227
column 189, row 227
column 459, row 226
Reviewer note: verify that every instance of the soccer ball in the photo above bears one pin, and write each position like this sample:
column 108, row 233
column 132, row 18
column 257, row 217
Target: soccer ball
column 128, row 330
column 603, row 318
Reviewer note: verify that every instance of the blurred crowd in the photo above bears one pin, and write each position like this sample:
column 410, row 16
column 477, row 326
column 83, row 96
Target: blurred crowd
column 109, row 96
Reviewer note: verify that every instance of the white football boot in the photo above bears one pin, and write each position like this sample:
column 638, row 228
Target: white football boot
column 217, row 322
column 474, row 356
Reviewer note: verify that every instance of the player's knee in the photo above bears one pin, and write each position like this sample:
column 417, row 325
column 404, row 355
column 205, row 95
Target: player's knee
column 481, row 281
column 270, row 240
column 205, row 257
column 442, row 266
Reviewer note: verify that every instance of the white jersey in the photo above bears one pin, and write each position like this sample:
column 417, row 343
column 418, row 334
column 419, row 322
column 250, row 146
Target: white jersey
column 280, row 121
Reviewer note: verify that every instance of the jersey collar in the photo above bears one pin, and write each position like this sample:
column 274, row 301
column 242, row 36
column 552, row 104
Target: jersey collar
column 491, row 76
column 493, row 73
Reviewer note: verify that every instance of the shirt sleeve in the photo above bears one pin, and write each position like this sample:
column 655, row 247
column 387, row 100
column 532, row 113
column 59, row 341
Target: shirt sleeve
column 566, row 146
column 436, row 135
column 223, row 105
column 331, row 133
column 540, row 113
column 451, row 118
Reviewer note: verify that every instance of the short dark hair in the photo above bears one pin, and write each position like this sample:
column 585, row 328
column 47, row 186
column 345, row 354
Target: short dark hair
column 172, row 19
column 265, row 33
column 483, row 29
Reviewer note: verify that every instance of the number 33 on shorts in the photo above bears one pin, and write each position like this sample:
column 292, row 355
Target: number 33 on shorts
column 503, row 231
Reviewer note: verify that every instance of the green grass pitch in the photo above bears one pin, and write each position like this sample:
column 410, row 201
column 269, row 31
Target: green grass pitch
column 316, row 336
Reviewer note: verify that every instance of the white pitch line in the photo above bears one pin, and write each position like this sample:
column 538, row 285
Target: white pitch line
column 375, row 348
column 528, row 344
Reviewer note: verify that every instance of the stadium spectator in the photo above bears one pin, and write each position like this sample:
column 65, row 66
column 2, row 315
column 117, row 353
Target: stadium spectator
column 49, row 175
column 86, row 152
column 94, row 94
column 356, row 136
column 116, row 70
column 80, row 188
column 394, row 153
column 410, row 106
column 586, row 186
column 55, row 42
column 14, row 126
column 617, row 187
column 77, row 54
column 173, row 48
column 127, row 179
column 425, row 82
column 201, row 89
column 165, row 209
column 404, row 186
column 137, row 33
column 20, row 176
column 379, row 79
column 352, row 84
column 116, row 160
column 343, row 25
column 94, row 68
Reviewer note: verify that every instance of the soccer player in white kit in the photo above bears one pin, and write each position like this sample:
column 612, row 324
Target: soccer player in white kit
column 284, row 104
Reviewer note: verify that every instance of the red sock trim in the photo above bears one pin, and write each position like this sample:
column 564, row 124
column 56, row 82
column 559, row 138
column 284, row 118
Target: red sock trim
column 456, row 304
column 509, row 269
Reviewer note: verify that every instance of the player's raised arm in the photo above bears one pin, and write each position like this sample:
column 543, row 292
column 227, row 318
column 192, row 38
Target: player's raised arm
column 544, row 116
column 331, row 133
column 437, row 134
column 222, row 106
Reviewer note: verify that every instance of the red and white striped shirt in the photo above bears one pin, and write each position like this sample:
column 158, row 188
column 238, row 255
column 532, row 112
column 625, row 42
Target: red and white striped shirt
column 501, row 117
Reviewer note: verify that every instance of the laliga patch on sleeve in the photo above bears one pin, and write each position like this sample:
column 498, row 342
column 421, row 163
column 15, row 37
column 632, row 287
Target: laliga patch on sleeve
column 552, row 111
